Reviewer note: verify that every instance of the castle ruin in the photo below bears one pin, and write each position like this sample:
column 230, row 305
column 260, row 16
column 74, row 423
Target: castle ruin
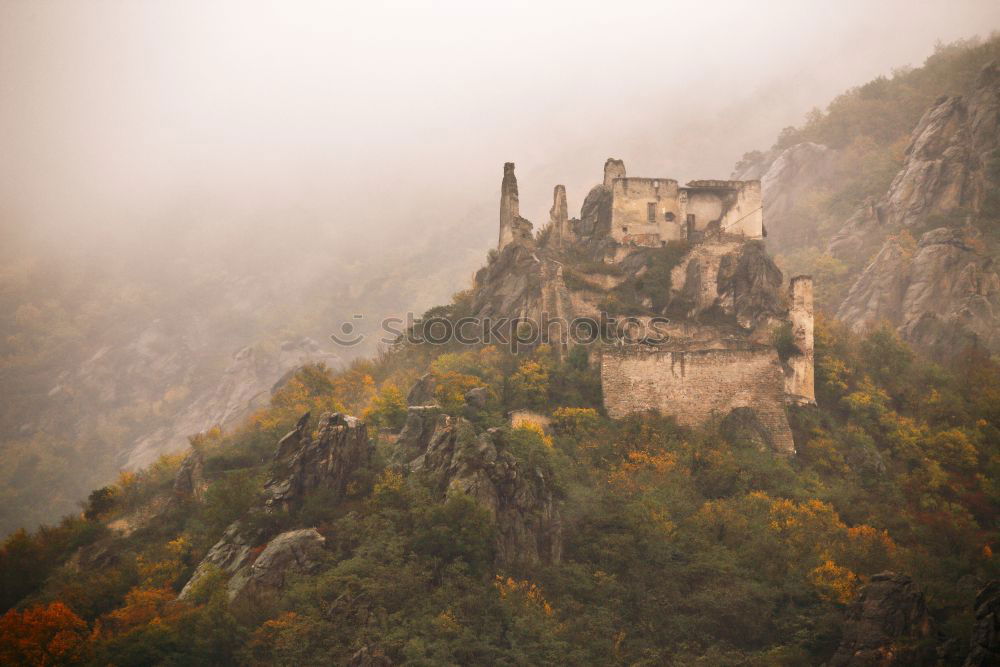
column 721, row 295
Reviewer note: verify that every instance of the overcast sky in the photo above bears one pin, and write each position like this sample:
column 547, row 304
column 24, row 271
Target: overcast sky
column 362, row 118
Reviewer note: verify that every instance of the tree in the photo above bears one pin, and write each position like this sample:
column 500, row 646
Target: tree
column 43, row 635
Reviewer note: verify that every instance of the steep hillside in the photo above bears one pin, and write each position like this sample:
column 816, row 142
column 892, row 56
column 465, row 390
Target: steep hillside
column 109, row 363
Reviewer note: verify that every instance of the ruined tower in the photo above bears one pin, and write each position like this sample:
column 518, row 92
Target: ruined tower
column 799, row 385
column 513, row 228
column 613, row 169
column 559, row 217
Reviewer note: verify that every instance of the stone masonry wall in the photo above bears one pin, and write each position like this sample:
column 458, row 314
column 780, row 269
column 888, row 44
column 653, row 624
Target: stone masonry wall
column 696, row 385
column 800, row 385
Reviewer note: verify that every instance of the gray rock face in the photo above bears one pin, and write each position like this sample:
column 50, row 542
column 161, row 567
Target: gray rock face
column 595, row 214
column 985, row 645
column 749, row 285
column 949, row 152
column 231, row 554
column 304, row 464
column 521, row 500
column 256, row 586
column 885, row 626
column 946, row 293
column 940, row 296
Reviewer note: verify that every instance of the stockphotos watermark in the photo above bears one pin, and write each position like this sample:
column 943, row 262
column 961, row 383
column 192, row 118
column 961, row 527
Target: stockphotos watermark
column 514, row 333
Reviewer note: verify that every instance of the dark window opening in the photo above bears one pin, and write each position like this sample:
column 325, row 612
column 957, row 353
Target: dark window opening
column 625, row 230
column 651, row 212
column 669, row 216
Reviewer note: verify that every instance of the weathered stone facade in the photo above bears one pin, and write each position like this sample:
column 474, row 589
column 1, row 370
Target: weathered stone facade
column 654, row 211
column 695, row 385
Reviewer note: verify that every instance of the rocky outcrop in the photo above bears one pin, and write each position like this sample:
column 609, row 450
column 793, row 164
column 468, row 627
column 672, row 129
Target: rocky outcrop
column 732, row 279
column 948, row 156
column 189, row 482
column 304, row 463
column 749, row 286
column 232, row 553
column 942, row 295
column 256, row 587
column 477, row 397
column 559, row 217
column 886, row 626
column 422, row 391
column 984, row 648
column 945, row 293
column 455, row 459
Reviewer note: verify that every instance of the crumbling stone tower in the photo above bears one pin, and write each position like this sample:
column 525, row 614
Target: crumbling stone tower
column 799, row 384
column 513, row 228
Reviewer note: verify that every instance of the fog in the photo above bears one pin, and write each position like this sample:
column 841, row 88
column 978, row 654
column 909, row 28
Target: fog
column 144, row 126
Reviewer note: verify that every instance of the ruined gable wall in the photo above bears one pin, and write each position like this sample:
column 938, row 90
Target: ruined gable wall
column 705, row 205
column 694, row 385
column 629, row 213
column 746, row 215
column 735, row 204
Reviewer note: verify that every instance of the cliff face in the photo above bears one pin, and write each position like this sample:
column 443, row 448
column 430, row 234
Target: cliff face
column 919, row 255
column 945, row 291
column 455, row 459
column 787, row 178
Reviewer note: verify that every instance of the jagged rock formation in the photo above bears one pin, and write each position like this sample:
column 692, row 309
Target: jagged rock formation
column 189, row 482
column 942, row 295
column 422, row 391
column 886, row 626
column 984, row 647
column 232, row 553
column 302, row 464
column 454, row 458
column 254, row 588
column 946, row 292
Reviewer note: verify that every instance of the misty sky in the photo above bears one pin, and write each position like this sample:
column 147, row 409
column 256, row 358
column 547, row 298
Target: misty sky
column 359, row 119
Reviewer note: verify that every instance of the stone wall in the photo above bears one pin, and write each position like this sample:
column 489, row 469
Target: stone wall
column 696, row 385
column 800, row 385
column 631, row 198
column 652, row 211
